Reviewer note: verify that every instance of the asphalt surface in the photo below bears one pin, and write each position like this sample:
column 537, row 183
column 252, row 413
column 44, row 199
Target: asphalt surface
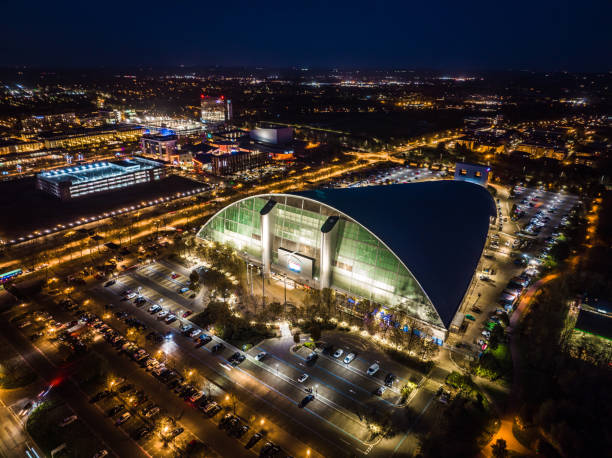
column 258, row 387
column 115, row 439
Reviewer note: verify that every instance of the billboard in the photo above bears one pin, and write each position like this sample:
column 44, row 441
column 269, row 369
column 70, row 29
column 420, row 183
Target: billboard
column 295, row 262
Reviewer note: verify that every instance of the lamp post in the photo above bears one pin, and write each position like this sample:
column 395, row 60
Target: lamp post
column 285, row 284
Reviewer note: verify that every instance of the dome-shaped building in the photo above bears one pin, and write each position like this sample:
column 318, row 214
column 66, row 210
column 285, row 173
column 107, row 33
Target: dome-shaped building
column 412, row 248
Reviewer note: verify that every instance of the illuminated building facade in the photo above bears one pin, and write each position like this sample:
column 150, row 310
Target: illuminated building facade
column 159, row 146
column 38, row 123
column 474, row 173
column 385, row 244
column 19, row 146
column 237, row 161
column 72, row 182
column 85, row 137
column 215, row 112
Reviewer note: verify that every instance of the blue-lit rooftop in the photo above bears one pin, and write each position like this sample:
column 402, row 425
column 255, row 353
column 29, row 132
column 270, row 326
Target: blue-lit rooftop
column 98, row 170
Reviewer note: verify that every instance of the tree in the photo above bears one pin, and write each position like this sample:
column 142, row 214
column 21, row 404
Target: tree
column 497, row 335
column 315, row 332
column 194, row 277
column 275, row 309
column 327, row 298
column 499, row 449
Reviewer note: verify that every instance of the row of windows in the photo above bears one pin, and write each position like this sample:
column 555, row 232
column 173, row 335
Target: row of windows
column 98, row 187
column 138, row 178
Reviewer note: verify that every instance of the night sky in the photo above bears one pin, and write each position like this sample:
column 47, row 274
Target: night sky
column 447, row 35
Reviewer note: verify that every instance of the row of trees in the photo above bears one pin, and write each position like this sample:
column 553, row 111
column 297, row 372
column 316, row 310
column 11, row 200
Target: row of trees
column 235, row 329
column 568, row 398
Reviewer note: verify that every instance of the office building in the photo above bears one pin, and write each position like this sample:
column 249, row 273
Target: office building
column 237, row 161
column 85, row 137
column 215, row 112
column 162, row 147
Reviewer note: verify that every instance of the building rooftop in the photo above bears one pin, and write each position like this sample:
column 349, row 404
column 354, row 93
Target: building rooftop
column 438, row 229
column 98, row 170
column 84, row 131
column 595, row 323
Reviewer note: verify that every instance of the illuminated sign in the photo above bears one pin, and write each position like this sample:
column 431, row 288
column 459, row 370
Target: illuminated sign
column 296, row 262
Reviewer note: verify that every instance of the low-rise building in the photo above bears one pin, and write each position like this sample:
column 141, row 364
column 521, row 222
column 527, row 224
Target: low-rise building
column 97, row 177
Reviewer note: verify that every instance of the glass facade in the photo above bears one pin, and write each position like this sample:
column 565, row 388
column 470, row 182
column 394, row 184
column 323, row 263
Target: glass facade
column 361, row 264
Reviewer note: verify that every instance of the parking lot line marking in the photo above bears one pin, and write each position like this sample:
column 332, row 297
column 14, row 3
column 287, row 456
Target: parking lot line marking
column 335, row 375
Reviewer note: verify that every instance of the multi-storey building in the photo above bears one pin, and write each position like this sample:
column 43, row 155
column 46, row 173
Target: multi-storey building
column 71, row 182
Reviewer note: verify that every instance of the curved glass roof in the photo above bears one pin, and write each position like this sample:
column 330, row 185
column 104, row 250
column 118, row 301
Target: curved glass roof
column 438, row 229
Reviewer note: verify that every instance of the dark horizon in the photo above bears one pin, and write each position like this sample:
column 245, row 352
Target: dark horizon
column 534, row 36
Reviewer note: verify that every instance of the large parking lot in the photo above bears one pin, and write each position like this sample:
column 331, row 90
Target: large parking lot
column 517, row 248
column 395, row 175
column 278, row 385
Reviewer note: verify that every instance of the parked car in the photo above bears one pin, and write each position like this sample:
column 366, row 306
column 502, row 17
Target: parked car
column 152, row 412
column 381, row 389
column 373, row 369
column 253, row 440
column 68, row 420
column 338, row 353
column 349, row 358
column 115, row 410
column 125, row 416
column 306, row 400
column 311, row 357
column 204, row 339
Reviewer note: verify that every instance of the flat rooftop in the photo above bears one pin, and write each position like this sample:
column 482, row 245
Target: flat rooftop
column 595, row 323
column 26, row 209
column 98, row 170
